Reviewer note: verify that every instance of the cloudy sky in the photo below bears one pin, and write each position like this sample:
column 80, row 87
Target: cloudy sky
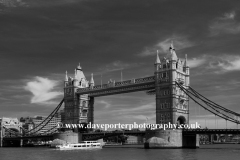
column 41, row 39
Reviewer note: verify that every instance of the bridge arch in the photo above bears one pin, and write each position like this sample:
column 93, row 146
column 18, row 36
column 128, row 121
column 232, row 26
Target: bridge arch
column 14, row 129
column 181, row 120
column 11, row 130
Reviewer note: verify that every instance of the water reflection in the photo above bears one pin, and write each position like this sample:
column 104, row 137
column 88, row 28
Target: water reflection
column 210, row 152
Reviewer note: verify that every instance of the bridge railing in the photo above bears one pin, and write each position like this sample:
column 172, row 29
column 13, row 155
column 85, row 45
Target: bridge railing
column 118, row 84
column 124, row 83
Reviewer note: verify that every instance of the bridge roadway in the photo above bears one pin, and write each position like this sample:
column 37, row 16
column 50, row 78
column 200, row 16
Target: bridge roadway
column 86, row 136
column 98, row 135
column 211, row 131
column 133, row 85
column 48, row 136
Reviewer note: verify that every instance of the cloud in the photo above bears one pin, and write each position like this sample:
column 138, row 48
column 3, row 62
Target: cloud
column 136, row 113
column 225, row 24
column 228, row 16
column 179, row 42
column 105, row 103
column 149, row 118
column 144, row 117
column 125, row 110
column 119, row 65
column 41, row 89
column 12, row 3
column 36, row 3
column 195, row 62
column 142, row 108
column 216, row 64
column 4, row 99
column 6, row 5
column 228, row 63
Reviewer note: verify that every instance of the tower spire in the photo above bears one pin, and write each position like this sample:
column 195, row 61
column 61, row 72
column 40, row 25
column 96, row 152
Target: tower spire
column 157, row 59
column 92, row 81
column 185, row 63
column 66, row 77
column 172, row 54
column 171, row 46
column 79, row 67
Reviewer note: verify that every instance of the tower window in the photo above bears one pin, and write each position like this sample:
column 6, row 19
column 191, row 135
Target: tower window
column 84, row 113
column 164, row 66
column 84, row 104
column 164, row 75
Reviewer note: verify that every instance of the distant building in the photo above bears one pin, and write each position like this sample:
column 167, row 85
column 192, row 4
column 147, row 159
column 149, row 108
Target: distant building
column 27, row 123
column 31, row 122
column 7, row 124
column 62, row 114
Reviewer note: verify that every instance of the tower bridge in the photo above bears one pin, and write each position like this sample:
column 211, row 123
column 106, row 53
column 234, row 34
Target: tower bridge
column 172, row 104
column 170, row 84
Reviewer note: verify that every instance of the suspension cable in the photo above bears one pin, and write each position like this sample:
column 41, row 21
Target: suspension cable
column 224, row 116
column 49, row 116
column 211, row 106
column 42, row 126
column 213, row 103
column 215, row 122
column 50, row 129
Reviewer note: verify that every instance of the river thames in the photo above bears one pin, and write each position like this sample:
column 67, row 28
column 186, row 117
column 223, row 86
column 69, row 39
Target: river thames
column 207, row 152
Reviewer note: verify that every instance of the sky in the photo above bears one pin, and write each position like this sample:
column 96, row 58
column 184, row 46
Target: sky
column 42, row 39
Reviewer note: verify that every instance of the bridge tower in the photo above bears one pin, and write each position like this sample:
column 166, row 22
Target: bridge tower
column 78, row 108
column 172, row 104
column 9, row 126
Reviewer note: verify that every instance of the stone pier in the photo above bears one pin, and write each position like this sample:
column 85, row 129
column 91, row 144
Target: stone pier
column 163, row 139
column 190, row 141
column 170, row 139
column 70, row 137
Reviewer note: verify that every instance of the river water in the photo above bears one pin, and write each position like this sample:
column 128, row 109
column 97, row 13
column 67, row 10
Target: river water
column 206, row 152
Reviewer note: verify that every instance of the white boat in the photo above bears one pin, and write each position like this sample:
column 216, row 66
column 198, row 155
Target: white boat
column 82, row 145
